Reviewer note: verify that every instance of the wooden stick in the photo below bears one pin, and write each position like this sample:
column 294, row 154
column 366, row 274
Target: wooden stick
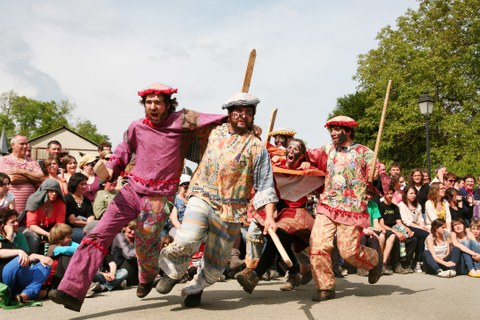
column 280, row 248
column 271, row 124
column 249, row 72
column 379, row 134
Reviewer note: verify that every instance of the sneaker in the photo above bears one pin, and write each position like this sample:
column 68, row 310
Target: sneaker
column 67, row 300
column 399, row 269
column 123, row 285
column 143, row 289
column 362, row 272
column 265, row 276
column 386, row 271
column 248, row 280
column 193, row 300
column 166, row 284
column 291, row 282
column 408, row 270
column 474, row 273
column 418, row 268
column 274, row 275
column 444, row 274
column 452, row 273
column 323, row 295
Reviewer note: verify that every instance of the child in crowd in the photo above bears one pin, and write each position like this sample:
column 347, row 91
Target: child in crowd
column 440, row 257
column 123, row 252
column 463, row 239
column 60, row 249
column 7, row 199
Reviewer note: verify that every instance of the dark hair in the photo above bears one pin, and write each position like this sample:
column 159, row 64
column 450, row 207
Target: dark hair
column 410, row 177
column 49, row 144
column 169, row 101
column 437, row 223
column 404, row 196
column 303, row 148
column 469, row 176
column 66, row 160
column 395, row 165
column 451, row 193
column 104, row 144
column 6, row 214
column 460, row 220
column 3, row 176
column 75, row 180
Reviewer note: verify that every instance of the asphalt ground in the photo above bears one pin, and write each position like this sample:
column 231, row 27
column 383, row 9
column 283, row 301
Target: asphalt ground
column 411, row 296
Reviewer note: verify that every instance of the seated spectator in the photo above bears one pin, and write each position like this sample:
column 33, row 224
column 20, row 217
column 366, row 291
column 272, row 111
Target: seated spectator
column 397, row 196
column 411, row 213
column 93, row 183
column 7, row 199
column 440, row 258
column 437, row 206
column 459, row 183
column 376, row 230
column 449, row 180
column 455, row 202
column 51, row 165
column 45, row 207
column 104, row 197
column 404, row 247
column 425, row 176
column 61, row 248
column 123, row 252
column 23, row 274
column 463, row 239
column 176, row 217
column 109, row 276
column 79, row 208
column 415, row 179
column 10, row 230
column 468, row 194
column 69, row 165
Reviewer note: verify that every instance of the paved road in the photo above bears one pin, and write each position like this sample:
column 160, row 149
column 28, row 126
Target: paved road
column 413, row 296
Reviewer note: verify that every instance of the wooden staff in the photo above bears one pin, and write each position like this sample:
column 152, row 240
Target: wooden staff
column 379, row 134
column 249, row 72
column 271, row 124
column 280, row 248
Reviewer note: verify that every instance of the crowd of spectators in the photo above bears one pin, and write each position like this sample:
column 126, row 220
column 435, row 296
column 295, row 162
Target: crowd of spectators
column 47, row 207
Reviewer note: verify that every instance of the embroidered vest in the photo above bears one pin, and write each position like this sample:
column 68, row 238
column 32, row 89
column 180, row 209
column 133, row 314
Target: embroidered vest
column 224, row 177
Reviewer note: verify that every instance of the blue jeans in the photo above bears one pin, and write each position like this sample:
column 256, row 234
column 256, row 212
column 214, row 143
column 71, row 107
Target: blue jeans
column 120, row 275
column 27, row 279
column 469, row 262
column 432, row 267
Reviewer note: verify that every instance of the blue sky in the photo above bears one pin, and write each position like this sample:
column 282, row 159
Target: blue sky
column 98, row 54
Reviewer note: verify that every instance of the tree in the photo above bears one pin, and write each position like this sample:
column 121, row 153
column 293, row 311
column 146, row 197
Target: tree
column 434, row 50
column 33, row 118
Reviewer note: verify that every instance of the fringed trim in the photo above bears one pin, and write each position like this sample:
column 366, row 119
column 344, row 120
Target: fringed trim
column 354, row 215
column 153, row 182
column 86, row 242
column 341, row 124
column 319, row 253
column 167, row 91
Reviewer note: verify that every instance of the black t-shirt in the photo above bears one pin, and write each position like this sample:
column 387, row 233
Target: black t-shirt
column 390, row 213
column 83, row 209
column 6, row 244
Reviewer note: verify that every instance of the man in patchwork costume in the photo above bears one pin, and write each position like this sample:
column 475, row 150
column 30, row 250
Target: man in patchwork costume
column 159, row 143
column 234, row 163
column 342, row 209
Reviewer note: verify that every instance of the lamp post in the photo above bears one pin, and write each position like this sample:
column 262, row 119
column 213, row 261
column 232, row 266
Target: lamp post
column 426, row 103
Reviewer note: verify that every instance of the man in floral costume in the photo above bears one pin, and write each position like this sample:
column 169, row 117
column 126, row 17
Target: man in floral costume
column 235, row 163
column 342, row 209
column 159, row 143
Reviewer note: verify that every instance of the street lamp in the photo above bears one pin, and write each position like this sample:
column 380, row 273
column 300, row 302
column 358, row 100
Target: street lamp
column 426, row 103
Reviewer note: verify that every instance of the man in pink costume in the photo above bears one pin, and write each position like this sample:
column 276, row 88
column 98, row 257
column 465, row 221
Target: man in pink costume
column 342, row 209
column 159, row 143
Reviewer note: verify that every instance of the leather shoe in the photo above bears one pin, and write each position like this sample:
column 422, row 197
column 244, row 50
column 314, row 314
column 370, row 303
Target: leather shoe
column 64, row 298
column 144, row 289
column 323, row 295
column 193, row 300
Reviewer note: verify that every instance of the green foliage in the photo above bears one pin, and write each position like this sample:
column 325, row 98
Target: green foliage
column 434, row 50
column 33, row 118
column 89, row 131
